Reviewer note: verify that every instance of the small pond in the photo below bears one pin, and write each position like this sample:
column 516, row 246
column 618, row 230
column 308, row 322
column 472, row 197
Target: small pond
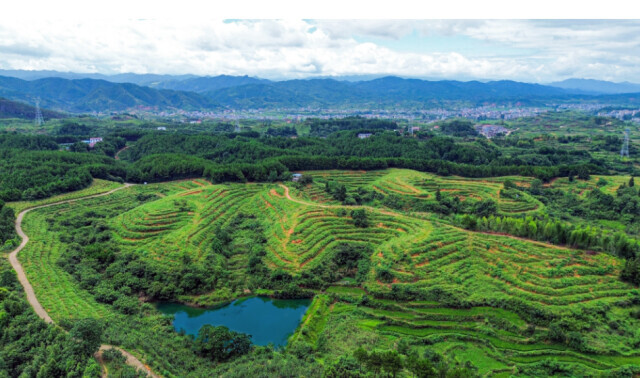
column 266, row 320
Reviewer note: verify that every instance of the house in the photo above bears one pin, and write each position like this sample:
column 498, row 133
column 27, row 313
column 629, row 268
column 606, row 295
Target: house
column 490, row 131
column 364, row 135
column 296, row 177
column 161, row 128
column 92, row 141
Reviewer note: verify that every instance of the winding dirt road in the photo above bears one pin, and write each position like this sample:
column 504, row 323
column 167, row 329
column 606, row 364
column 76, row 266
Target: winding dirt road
column 117, row 155
column 31, row 296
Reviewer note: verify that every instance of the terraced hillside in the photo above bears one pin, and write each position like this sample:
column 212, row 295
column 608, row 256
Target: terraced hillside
column 502, row 303
column 608, row 184
column 423, row 186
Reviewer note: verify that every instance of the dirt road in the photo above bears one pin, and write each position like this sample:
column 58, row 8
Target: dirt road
column 117, row 155
column 31, row 297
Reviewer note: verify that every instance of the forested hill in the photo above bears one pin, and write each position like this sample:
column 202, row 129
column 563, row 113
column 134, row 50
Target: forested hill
column 242, row 92
column 383, row 91
column 15, row 109
column 87, row 95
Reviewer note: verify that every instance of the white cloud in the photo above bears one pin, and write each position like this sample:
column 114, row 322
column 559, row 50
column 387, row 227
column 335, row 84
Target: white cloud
column 544, row 50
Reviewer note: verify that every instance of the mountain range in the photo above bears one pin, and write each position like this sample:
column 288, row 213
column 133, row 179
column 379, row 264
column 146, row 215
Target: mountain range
column 87, row 95
column 71, row 92
column 597, row 86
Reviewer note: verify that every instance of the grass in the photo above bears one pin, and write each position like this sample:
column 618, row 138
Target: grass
column 423, row 187
column 56, row 290
column 345, row 290
column 491, row 274
column 97, row 186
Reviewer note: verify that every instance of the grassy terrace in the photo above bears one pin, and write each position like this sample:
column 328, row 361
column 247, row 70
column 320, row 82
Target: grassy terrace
column 423, row 186
column 97, row 186
column 493, row 275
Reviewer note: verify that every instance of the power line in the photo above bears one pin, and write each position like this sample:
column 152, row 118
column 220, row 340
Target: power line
column 625, row 145
column 39, row 120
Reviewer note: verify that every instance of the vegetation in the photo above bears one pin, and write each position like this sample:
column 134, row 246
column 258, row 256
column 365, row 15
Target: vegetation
column 30, row 347
column 438, row 254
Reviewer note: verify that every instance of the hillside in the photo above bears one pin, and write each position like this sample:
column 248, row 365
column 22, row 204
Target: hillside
column 596, row 86
column 15, row 109
column 207, row 83
column 383, row 91
column 86, row 95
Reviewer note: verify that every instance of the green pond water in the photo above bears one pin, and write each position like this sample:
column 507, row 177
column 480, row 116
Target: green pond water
column 266, row 320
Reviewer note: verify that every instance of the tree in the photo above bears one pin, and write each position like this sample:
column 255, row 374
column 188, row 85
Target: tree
column 221, row 344
column 361, row 355
column 583, row 173
column 420, row 367
column 273, row 176
column 485, row 208
column 632, row 182
column 343, row 367
column 556, row 333
column 536, row 187
column 360, row 218
column 87, row 334
column 391, row 362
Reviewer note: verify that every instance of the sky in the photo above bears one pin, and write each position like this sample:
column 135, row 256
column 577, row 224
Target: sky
column 524, row 50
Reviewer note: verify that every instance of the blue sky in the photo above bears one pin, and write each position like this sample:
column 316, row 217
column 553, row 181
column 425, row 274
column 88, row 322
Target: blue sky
column 524, row 50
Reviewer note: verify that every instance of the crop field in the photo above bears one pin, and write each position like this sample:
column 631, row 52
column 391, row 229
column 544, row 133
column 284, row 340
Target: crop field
column 183, row 220
column 423, row 186
column 98, row 186
column 481, row 288
column 581, row 187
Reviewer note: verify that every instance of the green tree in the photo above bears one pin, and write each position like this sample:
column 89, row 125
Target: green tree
column 87, row 334
column 343, row 367
column 391, row 362
column 221, row 344
column 360, row 218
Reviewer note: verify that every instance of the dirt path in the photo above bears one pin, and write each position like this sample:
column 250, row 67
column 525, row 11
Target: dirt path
column 31, row 296
column 131, row 360
column 117, row 155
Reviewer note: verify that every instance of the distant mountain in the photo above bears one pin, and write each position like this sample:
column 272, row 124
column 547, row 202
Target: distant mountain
column 140, row 79
column 15, row 109
column 383, row 91
column 196, row 93
column 596, row 86
column 86, row 95
column 207, row 83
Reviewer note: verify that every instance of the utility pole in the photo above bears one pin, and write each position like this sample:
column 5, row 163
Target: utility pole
column 625, row 145
column 39, row 120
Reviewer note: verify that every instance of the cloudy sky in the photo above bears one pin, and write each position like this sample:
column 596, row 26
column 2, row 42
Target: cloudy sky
column 531, row 51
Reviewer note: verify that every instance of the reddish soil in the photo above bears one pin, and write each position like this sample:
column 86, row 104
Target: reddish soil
column 550, row 183
column 406, row 186
column 117, row 156
column 274, row 193
column 191, row 193
column 297, row 241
